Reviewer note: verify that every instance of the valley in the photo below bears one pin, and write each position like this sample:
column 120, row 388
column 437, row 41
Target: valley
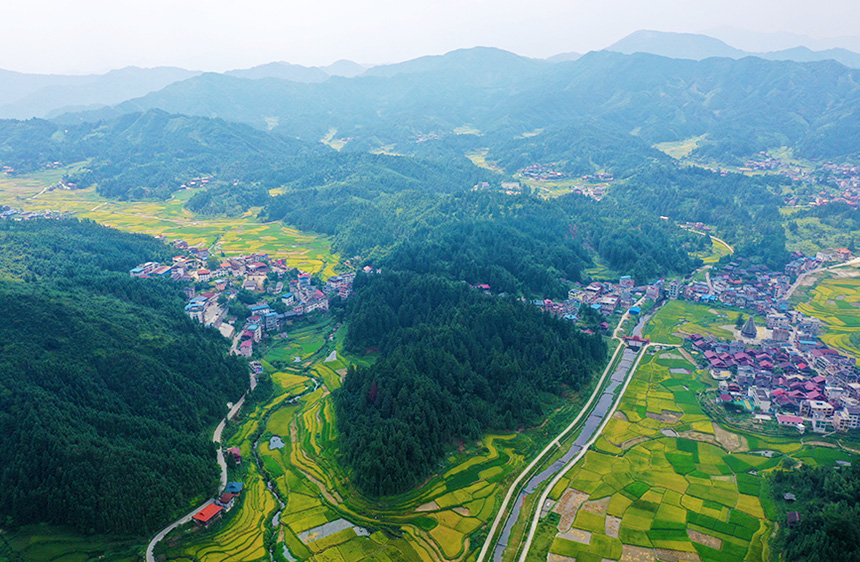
column 493, row 308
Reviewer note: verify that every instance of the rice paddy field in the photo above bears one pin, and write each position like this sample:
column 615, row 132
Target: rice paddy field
column 664, row 482
column 835, row 300
column 678, row 319
column 680, row 149
column 233, row 235
column 324, row 518
column 718, row 250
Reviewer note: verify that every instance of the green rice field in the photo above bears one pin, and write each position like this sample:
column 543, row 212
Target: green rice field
column 665, row 483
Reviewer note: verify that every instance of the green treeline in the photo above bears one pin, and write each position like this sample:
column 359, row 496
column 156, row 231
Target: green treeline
column 828, row 500
column 453, row 364
column 107, row 390
column 744, row 209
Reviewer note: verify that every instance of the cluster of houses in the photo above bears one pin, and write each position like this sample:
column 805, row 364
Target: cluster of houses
column 842, row 179
column 541, row 172
column 255, row 273
column 602, row 297
column 213, row 510
column 796, row 379
column 10, row 213
column 744, row 285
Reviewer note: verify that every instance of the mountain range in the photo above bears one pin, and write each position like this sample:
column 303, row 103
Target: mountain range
column 23, row 96
column 698, row 47
column 744, row 105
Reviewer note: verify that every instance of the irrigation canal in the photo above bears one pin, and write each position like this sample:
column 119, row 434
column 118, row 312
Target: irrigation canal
column 586, row 434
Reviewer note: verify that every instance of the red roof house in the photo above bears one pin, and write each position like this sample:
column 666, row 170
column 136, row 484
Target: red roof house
column 208, row 514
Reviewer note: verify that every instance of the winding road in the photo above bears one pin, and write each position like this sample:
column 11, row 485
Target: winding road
column 216, row 437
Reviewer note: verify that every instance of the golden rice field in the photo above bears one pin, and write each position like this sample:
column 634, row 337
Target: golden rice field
column 439, row 520
column 835, row 300
column 233, row 235
column 242, row 536
column 668, row 496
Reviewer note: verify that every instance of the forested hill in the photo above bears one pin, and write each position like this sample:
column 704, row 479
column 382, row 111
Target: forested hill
column 828, row 501
column 742, row 105
column 107, row 390
column 454, row 363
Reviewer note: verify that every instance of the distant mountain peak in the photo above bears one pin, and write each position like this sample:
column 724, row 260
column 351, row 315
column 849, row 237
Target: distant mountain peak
column 283, row 70
column 675, row 45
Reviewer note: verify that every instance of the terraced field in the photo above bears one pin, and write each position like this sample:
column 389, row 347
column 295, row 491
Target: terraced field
column 237, row 235
column 717, row 251
column 835, row 300
column 323, row 518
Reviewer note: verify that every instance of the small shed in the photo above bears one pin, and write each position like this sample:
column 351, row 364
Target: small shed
column 792, row 518
column 789, row 497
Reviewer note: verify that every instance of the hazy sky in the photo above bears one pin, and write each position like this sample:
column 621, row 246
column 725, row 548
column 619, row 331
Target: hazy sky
column 96, row 35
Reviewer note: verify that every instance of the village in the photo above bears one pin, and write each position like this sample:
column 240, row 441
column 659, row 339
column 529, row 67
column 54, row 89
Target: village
column 266, row 290
column 842, row 180
column 779, row 372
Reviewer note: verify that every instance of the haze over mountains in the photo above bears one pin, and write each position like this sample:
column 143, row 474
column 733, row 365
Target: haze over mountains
column 699, row 47
column 24, row 96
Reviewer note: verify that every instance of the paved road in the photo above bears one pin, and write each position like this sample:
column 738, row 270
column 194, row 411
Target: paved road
column 216, row 437
column 592, row 424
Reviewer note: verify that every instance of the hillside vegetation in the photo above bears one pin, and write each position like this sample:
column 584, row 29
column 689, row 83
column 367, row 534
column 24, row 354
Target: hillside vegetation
column 454, row 363
column 107, row 390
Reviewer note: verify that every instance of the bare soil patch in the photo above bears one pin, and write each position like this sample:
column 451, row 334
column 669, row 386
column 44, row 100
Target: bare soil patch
column 577, row 535
column 431, row 506
column 677, row 556
column 704, row 539
column 620, row 416
column 637, row 554
column 613, row 525
column 633, row 442
column 731, row 441
column 666, row 417
column 597, row 506
column 567, row 507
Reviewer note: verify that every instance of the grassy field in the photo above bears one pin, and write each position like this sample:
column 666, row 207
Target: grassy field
column 479, row 159
column 680, row 149
column 665, row 483
column 835, row 300
column 234, row 235
column 678, row 319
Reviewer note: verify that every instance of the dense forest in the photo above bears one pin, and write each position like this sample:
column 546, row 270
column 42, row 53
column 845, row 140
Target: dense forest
column 453, row 364
column 744, row 209
column 107, row 389
column 828, row 501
